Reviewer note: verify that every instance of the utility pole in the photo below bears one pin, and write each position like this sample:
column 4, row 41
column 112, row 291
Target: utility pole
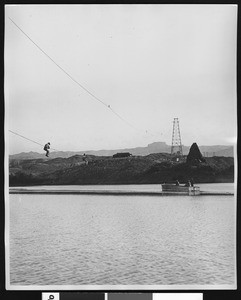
column 176, row 139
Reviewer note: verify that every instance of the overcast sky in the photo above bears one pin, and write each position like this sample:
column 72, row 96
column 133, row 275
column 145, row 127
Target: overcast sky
column 149, row 63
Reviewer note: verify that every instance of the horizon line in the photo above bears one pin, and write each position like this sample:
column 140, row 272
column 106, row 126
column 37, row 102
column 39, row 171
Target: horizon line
column 226, row 145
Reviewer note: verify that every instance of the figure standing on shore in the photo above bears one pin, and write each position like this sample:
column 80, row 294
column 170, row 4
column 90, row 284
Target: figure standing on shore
column 85, row 159
column 188, row 183
column 46, row 148
column 177, row 182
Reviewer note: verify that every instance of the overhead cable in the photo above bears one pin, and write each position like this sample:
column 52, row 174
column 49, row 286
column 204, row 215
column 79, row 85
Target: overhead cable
column 74, row 80
column 24, row 137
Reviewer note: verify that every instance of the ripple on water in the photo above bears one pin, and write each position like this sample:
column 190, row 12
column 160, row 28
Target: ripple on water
column 98, row 240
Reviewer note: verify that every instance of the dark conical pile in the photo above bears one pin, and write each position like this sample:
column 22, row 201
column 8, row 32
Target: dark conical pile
column 194, row 154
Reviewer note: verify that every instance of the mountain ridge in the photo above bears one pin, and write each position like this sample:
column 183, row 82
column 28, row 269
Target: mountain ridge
column 155, row 147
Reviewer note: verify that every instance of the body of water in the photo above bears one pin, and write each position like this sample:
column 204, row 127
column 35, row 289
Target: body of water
column 122, row 240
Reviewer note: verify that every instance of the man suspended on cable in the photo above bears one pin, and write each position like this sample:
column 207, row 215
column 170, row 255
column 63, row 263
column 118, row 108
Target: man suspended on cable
column 46, row 148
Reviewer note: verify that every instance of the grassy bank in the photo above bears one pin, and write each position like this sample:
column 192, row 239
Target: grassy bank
column 150, row 169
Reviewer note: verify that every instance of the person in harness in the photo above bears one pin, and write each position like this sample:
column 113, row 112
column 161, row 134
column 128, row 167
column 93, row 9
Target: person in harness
column 46, row 148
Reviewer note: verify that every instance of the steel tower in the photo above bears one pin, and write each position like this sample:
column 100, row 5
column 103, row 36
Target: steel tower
column 176, row 139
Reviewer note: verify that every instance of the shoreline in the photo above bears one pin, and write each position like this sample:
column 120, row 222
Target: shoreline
column 112, row 184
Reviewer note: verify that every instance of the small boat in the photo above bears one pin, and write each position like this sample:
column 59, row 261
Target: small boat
column 180, row 189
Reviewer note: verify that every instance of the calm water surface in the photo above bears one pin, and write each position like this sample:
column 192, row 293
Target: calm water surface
column 124, row 240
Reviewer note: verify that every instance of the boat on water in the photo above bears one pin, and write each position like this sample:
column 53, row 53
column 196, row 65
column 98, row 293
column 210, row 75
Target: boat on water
column 180, row 189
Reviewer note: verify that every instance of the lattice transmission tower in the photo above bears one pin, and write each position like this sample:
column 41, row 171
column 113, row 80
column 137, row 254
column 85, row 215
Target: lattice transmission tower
column 176, row 139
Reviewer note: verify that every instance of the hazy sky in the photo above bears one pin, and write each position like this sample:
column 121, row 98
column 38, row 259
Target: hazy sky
column 150, row 63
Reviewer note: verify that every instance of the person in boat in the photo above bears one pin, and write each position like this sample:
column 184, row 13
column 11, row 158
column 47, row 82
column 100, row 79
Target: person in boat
column 46, row 148
column 177, row 182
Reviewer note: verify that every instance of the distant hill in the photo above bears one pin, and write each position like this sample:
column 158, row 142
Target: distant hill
column 156, row 147
column 218, row 150
column 152, row 168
